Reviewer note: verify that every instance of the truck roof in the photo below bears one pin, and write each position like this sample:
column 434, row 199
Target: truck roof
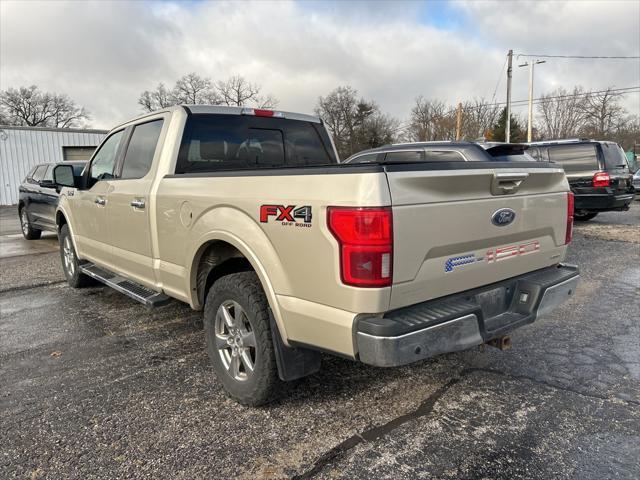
column 565, row 141
column 462, row 146
column 227, row 110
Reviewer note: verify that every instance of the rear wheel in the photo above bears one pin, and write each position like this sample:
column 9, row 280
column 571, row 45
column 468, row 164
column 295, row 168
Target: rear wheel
column 70, row 265
column 28, row 231
column 239, row 343
column 584, row 215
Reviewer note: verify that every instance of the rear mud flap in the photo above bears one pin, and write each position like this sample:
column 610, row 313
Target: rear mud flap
column 293, row 363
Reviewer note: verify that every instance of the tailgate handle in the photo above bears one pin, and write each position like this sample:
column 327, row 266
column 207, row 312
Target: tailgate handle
column 507, row 183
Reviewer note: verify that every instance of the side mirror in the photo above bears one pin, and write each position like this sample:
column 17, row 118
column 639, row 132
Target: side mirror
column 63, row 176
column 47, row 183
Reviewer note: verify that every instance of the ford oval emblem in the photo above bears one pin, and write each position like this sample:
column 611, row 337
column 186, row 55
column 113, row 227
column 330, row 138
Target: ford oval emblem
column 503, row 217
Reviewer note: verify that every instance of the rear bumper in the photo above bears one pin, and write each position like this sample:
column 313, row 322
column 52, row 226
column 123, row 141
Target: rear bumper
column 463, row 320
column 603, row 202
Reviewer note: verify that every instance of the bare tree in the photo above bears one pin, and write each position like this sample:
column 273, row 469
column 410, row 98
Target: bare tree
column 355, row 124
column 603, row 114
column 192, row 89
column 238, row 91
column 561, row 113
column 478, row 116
column 376, row 130
column 627, row 133
column 31, row 107
column 156, row 99
column 431, row 120
column 338, row 111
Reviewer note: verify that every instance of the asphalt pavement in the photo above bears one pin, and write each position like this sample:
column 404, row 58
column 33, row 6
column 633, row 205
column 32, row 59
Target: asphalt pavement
column 94, row 385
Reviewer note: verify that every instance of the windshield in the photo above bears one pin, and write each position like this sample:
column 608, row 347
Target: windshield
column 614, row 157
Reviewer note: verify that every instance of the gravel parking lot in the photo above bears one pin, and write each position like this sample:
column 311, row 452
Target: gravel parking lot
column 93, row 385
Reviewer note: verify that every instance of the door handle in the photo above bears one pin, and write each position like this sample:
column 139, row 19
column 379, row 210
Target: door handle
column 100, row 201
column 507, row 183
column 137, row 203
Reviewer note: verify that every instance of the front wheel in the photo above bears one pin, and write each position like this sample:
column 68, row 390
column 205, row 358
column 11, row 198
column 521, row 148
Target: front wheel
column 28, row 231
column 584, row 215
column 70, row 265
column 239, row 343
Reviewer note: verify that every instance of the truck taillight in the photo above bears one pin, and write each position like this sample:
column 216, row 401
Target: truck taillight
column 569, row 233
column 261, row 112
column 601, row 179
column 365, row 237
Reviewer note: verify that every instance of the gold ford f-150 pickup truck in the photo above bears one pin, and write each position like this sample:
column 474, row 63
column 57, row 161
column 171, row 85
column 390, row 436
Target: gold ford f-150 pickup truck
column 248, row 215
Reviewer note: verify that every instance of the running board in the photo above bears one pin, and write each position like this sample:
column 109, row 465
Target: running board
column 134, row 290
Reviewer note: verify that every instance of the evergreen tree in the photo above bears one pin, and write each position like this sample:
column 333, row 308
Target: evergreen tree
column 497, row 132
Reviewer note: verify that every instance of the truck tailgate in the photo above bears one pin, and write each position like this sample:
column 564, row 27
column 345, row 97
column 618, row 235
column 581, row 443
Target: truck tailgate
column 455, row 229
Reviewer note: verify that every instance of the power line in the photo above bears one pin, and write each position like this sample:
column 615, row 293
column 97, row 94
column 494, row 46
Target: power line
column 495, row 90
column 581, row 56
column 536, row 101
column 582, row 94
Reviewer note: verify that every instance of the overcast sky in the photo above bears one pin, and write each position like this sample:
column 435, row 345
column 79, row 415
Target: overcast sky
column 104, row 54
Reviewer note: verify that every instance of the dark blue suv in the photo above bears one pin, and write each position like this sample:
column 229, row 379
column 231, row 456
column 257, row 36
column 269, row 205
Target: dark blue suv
column 39, row 199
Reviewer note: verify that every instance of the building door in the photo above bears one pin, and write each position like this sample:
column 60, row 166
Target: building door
column 70, row 154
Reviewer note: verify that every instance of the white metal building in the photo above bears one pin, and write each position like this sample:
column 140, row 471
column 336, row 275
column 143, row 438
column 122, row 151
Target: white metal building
column 21, row 148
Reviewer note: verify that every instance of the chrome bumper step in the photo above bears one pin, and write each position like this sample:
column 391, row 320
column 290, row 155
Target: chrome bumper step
column 463, row 320
column 142, row 294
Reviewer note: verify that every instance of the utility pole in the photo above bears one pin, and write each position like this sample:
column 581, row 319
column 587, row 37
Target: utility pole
column 507, row 129
column 459, row 122
column 531, row 64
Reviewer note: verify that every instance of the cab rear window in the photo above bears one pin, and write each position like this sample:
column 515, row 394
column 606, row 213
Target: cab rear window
column 236, row 142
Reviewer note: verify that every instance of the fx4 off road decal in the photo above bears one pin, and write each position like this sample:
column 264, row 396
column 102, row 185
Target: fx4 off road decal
column 288, row 215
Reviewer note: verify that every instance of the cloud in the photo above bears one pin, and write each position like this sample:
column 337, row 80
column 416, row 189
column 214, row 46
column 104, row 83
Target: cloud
column 104, row 54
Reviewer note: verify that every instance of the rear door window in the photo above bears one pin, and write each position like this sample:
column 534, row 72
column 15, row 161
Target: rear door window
column 366, row 158
column 614, row 157
column 405, row 156
column 236, row 142
column 30, row 174
column 141, row 149
column 48, row 174
column 575, row 158
column 38, row 174
column 443, row 156
column 424, row 156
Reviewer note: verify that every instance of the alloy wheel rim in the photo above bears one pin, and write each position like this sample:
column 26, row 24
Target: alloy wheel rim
column 235, row 341
column 25, row 222
column 68, row 256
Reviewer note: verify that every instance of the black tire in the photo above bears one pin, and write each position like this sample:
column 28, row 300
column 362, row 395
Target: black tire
column 70, row 264
column 262, row 383
column 583, row 215
column 28, row 231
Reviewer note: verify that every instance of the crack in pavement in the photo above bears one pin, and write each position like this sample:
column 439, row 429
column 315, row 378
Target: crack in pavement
column 551, row 385
column 376, row 432
column 29, row 287
column 423, row 410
